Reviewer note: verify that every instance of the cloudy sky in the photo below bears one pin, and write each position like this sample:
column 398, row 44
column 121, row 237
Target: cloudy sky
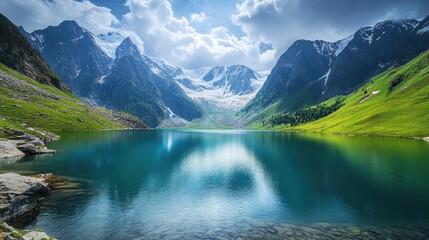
column 198, row 33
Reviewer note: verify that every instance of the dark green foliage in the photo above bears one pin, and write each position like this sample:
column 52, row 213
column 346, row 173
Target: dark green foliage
column 395, row 82
column 304, row 115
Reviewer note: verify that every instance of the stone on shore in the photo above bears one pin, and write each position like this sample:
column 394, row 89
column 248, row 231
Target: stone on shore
column 426, row 139
column 30, row 144
column 9, row 150
column 20, row 195
column 23, row 144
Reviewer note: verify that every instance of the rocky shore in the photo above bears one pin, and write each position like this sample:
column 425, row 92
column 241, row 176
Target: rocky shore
column 20, row 195
column 24, row 144
column 10, row 233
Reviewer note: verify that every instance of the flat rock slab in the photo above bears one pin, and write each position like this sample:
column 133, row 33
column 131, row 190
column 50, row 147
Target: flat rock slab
column 9, row 150
column 19, row 195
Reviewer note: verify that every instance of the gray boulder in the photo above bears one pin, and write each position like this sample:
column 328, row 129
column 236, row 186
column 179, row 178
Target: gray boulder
column 31, row 148
column 19, row 195
column 8, row 150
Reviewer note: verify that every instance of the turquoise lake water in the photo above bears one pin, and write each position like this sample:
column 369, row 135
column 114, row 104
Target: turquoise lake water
column 149, row 183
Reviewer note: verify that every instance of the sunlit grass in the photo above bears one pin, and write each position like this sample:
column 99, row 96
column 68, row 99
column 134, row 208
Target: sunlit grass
column 401, row 111
column 64, row 112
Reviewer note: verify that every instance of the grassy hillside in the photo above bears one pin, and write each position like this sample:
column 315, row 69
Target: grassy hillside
column 394, row 103
column 26, row 103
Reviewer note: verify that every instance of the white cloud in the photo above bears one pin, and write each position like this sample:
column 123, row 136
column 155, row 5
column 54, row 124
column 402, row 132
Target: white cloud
column 198, row 17
column 173, row 39
column 152, row 26
column 36, row 14
column 276, row 23
column 281, row 22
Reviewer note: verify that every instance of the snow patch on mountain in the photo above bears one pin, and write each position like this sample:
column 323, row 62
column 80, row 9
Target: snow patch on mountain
column 324, row 48
column 229, row 88
column 423, row 30
column 343, row 44
column 109, row 42
column 367, row 34
column 325, row 77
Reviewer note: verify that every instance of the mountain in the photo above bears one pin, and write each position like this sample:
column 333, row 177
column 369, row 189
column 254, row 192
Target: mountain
column 18, row 54
column 394, row 103
column 72, row 53
column 110, row 71
column 33, row 99
column 228, row 88
column 310, row 72
column 137, row 85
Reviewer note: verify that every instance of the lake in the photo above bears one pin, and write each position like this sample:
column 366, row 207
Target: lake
column 192, row 184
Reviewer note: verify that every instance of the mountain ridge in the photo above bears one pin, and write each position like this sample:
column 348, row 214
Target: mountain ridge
column 83, row 60
column 394, row 103
column 310, row 72
column 34, row 106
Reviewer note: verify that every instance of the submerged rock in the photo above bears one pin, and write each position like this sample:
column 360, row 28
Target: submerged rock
column 20, row 195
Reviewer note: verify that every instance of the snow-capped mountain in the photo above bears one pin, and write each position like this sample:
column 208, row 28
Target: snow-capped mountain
column 109, row 70
column 310, row 72
column 73, row 54
column 229, row 88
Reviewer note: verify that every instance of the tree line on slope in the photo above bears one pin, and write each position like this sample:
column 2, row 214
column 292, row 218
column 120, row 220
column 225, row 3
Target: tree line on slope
column 304, row 115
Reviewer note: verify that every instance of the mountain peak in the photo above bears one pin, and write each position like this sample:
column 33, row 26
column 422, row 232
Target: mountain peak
column 127, row 48
column 68, row 29
column 69, row 24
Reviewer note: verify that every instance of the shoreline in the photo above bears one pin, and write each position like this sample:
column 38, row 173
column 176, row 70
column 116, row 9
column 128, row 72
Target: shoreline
column 290, row 130
column 24, row 144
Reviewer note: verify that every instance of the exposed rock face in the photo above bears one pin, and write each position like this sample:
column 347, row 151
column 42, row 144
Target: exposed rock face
column 19, row 195
column 17, row 53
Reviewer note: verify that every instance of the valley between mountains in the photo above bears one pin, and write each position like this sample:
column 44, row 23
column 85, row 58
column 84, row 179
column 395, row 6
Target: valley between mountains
column 109, row 71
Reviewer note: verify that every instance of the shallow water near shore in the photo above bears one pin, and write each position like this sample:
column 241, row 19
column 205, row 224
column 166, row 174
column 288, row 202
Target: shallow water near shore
column 249, row 184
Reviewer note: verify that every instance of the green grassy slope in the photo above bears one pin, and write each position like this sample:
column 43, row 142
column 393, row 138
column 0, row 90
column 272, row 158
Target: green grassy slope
column 394, row 103
column 26, row 103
